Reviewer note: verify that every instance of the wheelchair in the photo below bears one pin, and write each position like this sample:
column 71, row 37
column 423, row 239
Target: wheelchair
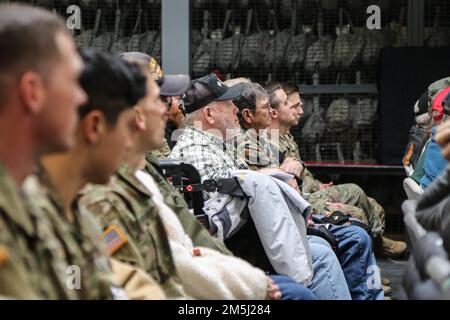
column 244, row 243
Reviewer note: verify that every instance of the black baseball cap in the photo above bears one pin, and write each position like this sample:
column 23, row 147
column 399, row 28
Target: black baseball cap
column 207, row 89
column 170, row 85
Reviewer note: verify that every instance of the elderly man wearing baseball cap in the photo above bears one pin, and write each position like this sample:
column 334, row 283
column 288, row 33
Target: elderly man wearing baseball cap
column 211, row 119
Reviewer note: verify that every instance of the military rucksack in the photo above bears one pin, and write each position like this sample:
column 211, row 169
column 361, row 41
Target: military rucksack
column 135, row 39
column 122, row 43
column 319, row 54
column 103, row 39
column 203, row 59
column 308, row 109
column 398, row 33
column 85, row 38
column 338, row 117
column 252, row 54
column 196, row 39
column 347, row 46
column 374, row 41
column 275, row 42
column 228, row 54
column 314, row 127
column 365, row 111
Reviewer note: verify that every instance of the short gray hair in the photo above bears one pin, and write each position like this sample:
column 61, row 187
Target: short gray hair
column 252, row 94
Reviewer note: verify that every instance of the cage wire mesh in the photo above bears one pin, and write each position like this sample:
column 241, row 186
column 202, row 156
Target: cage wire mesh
column 436, row 24
column 113, row 25
column 306, row 42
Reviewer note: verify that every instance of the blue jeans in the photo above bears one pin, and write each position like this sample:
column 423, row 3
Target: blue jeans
column 329, row 281
column 358, row 262
column 291, row 290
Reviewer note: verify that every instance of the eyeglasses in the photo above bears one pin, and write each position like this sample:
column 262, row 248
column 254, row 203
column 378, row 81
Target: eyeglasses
column 267, row 106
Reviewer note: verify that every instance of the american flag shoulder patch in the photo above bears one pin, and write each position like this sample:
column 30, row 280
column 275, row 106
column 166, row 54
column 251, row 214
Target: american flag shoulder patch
column 114, row 238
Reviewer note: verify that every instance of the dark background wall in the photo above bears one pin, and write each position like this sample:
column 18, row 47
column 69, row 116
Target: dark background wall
column 403, row 75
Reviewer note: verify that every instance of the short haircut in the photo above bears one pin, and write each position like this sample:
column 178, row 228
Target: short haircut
column 252, row 94
column 271, row 89
column 112, row 84
column 290, row 88
column 27, row 43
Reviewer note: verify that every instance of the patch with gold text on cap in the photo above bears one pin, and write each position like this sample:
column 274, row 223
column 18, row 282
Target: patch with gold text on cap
column 155, row 70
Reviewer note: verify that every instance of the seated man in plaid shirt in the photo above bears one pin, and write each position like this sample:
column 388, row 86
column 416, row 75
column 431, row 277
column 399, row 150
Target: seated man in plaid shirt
column 211, row 117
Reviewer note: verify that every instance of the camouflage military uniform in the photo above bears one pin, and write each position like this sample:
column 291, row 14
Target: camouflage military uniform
column 133, row 231
column 18, row 265
column 33, row 262
column 83, row 245
column 289, row 148
column 175, row 201
column 256, row 150
column 357, row 203
column 162, row 152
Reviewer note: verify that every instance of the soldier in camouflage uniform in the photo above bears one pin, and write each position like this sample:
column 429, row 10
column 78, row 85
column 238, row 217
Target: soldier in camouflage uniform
column 82, row 242
column 115, row 87
column 33, row 260
column 349, row 198
column 19, row 269
column 133, row 231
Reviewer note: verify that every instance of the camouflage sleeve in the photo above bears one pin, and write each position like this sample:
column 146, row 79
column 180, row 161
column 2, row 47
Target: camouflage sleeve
column 14, row 277
column 162, row 152
column 123, row 237
column 115, row 220
column 310, row 184
column 255, row 157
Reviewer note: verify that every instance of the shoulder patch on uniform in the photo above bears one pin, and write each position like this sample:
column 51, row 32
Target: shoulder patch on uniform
column 4, row 255
column 115, row 238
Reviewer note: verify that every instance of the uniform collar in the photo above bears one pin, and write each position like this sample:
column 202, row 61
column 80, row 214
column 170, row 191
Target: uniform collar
column 125, row 173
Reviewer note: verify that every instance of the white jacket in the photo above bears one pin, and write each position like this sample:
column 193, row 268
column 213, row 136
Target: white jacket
column 276, row 210
column 206, row 273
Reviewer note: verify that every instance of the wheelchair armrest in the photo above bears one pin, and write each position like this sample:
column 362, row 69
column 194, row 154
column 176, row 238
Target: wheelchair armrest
column 169, row 163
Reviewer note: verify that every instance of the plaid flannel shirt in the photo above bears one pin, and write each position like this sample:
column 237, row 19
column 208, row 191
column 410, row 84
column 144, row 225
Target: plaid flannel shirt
column 208, row 153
